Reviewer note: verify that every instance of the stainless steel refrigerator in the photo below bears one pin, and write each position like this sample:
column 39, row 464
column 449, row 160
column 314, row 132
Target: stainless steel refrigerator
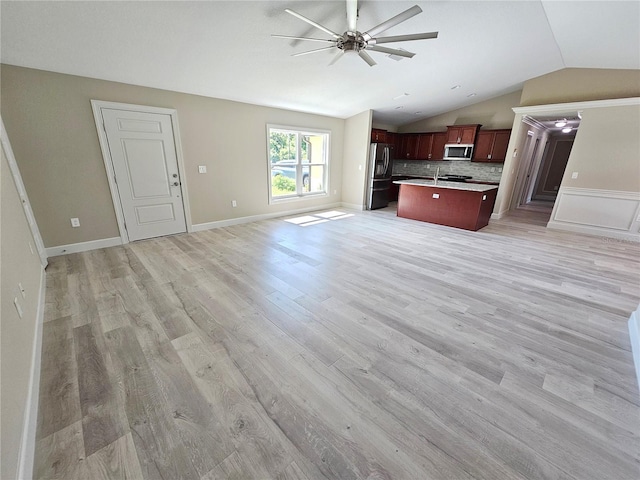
column 379, row 175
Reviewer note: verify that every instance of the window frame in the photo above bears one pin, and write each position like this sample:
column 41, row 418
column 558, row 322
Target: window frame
column 299, row 194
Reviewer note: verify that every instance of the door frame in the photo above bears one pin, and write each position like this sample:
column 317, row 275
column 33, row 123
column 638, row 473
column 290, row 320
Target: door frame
column 22, row 193
column 97, row 106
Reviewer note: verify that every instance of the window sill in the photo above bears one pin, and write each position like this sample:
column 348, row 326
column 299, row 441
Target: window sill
column 296, row 198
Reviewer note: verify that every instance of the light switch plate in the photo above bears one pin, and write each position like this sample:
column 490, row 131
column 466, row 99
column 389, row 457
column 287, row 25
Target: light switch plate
column 574, row 175
column 436, row 195
column 202, row 169
column 75, row 222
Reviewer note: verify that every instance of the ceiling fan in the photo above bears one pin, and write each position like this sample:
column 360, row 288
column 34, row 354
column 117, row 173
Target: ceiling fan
column 358, row 42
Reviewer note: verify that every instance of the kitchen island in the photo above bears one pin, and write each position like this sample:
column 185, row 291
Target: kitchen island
column 461, row 205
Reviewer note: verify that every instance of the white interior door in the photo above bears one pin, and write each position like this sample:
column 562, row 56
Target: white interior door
column 145, row 165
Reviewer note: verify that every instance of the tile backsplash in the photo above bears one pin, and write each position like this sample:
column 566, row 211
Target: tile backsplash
column 488, row 172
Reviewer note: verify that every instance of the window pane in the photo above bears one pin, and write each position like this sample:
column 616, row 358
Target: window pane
column 282, row 147
column 313, row 178
column 283, row 180
column 313, row 150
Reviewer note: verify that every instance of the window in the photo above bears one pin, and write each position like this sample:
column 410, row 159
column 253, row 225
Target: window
column 298, row 162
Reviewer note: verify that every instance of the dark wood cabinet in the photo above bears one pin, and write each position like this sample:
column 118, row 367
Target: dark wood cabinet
column 437, row 146
column 378, row 135
column 425, row 141
column 392, row 138
column 463, row 134
column 491, row 146
column 421, row 146
column 409, row 146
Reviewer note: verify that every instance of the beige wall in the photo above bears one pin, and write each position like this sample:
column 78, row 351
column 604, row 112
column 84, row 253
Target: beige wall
column 606, row 151
column 356, row 154
column 580, row 85
column 49, row 119
column 18, row 265
column 493, row 113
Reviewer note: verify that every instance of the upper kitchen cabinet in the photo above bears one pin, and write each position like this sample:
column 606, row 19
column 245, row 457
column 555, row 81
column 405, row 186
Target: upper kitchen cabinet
column 409, row 146
column 463, row 134
column 431, row 145
column 491, row 146
column 378, row 135
column 392, row 138
column 437, row 146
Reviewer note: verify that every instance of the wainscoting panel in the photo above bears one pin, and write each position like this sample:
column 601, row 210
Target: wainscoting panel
column 599, row 212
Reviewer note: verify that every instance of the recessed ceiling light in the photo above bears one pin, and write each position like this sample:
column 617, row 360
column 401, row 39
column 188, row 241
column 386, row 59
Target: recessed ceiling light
column 561, row 123
column 455, row 87
column 399, row 107
column 471, row 95
column 401, row 96
column 417, row 113
column 566, row 130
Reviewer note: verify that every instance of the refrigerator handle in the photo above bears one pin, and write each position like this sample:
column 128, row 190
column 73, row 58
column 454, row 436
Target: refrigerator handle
column 386, row 160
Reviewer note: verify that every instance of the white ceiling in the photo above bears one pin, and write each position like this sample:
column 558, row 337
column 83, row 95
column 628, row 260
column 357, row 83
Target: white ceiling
column 224, row 49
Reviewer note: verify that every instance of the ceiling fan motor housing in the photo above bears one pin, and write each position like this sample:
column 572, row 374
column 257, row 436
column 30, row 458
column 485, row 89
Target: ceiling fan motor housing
column 351, row 42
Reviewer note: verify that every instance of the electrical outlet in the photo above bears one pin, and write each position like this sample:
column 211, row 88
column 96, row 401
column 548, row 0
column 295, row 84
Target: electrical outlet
column 428, row 166
column 574, row 175
column 499, row 169
column 22, row 291
column 493, row 169
column 75, row 222
column 202, row 169
column 335, row 192
column 234, row 203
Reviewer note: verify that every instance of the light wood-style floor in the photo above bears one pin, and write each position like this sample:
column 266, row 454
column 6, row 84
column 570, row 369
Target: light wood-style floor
column 362, row 347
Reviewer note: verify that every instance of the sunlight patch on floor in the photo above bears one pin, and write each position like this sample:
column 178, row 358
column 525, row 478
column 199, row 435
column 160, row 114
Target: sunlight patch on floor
column 316, row 218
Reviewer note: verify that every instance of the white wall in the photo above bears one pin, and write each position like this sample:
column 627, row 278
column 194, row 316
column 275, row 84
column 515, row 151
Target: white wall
column 20, row 264
column 357, row 137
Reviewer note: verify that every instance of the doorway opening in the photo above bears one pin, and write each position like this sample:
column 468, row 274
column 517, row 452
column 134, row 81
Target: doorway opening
column 545, row 152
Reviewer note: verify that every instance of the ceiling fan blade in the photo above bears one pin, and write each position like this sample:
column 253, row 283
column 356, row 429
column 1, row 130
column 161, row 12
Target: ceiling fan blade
column 352, row 14
column 404, row 38
column 311, row 22
column 367, row 58
column 393, row 21
column 303, row 38
column 390, row 51
column 313, row 51
column 336, row 58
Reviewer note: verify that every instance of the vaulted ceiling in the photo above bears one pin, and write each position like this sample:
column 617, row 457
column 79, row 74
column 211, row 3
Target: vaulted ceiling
column 224, row 49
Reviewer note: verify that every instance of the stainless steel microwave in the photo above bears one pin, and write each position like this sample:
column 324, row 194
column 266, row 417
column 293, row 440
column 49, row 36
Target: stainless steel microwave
column 456, row 151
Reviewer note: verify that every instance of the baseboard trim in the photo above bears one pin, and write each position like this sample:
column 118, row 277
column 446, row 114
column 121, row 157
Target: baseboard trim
column 597, row 231
column 28, row 442
column 634, row 336
column 498, row 216
column 83, row 246
column 352, row 206
column 263, row 216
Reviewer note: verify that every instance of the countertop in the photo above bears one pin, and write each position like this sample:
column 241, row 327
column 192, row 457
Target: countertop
column 426, row 177
column 473, row 187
